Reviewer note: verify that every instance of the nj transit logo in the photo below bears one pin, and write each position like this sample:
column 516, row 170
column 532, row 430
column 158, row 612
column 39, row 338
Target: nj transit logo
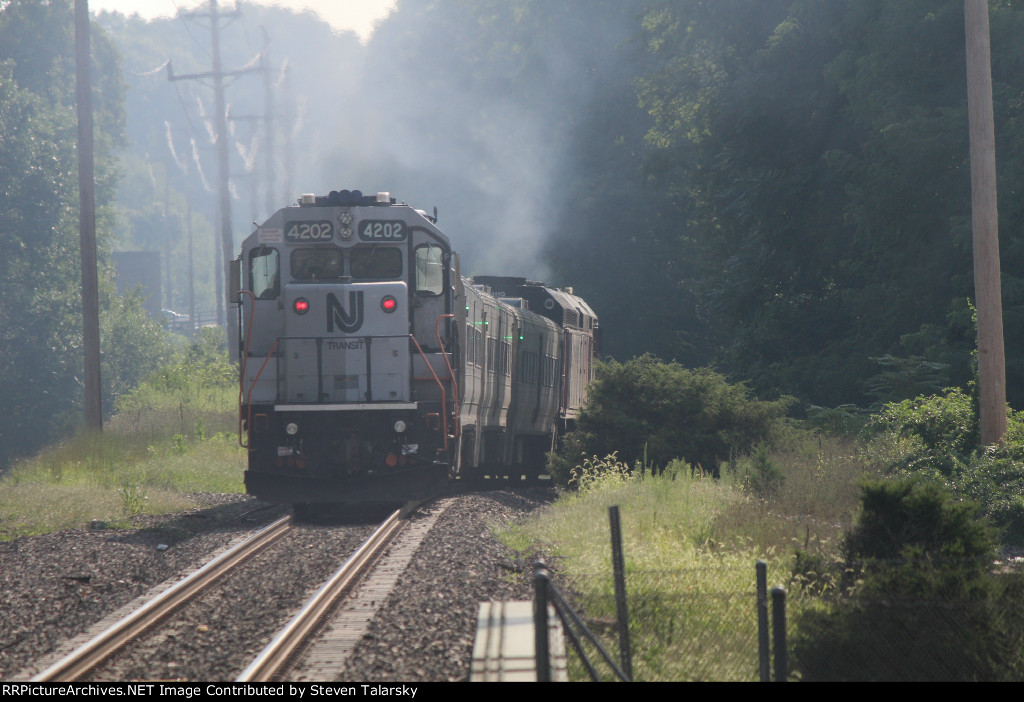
column 347, row 321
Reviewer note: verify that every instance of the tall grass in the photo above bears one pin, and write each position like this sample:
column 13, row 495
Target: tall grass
column 813, row 499
column 172, row 437
column 691, row 544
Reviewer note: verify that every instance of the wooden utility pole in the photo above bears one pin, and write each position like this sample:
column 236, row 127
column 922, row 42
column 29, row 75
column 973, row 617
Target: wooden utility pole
column 186, row 170
column 291, row 121
column 226, row 251
column 985, row 226
column 268, row 126
column 87, row 222
column 224, row 172
column 191, row 264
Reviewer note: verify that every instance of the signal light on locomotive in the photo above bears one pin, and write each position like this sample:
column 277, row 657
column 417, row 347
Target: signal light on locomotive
column 301, row 306
column 389, row 304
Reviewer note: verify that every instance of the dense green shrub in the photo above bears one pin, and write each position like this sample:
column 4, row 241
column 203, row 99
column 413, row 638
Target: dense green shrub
column 917, row 600
column 200, row 377
column 654, row 411
column 764, row 475
column 906, row 520
column 204, row 362
column 944, row 437
column 133, row 346
column 947, row 426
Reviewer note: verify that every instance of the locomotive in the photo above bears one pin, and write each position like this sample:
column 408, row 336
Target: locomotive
column 372, row 371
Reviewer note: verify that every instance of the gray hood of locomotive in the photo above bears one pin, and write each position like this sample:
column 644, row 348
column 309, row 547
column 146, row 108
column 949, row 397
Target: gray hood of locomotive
column 346, row 348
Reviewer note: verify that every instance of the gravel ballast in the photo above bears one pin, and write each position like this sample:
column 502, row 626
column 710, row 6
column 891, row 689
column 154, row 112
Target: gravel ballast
column 426, row 628
column 56, row 586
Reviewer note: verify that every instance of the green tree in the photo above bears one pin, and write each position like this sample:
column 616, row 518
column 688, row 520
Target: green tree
column 821, row 146
column 920, row 602
column 39, row 333
column 133, row 346
column 654, row 411
column 938, row 440
column 40, row 320
column 38, row 37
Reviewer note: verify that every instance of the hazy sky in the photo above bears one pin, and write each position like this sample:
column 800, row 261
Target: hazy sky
column 357, row 15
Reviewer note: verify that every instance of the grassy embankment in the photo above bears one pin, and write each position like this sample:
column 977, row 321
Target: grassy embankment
column 691, row 545
column 173, row 436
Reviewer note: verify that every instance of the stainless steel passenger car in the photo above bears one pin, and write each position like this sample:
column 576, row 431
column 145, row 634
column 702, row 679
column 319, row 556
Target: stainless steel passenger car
column 372, row 371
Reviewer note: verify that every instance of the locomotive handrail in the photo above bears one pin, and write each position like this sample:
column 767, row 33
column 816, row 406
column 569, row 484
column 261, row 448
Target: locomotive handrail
column 354, row 336
column 248, row 396
column 566, row 360
column 444, row 401
column 451, row 373
column 245, row 362
column 244, row 366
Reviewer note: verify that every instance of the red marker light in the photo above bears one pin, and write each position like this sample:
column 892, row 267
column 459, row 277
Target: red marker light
column 389, row 304
column 301, row 306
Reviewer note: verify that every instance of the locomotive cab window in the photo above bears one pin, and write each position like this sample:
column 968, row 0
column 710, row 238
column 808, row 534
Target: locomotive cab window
column 429, row 269
column 321, row 263
column 375, row 263
column 264, row 273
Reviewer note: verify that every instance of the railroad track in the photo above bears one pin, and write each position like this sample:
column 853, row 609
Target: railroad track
column 92, row 653
column 283, row 651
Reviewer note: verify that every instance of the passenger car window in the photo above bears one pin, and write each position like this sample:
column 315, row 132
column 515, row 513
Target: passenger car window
column 429, row 269
column 265, row 273
column 375, row 262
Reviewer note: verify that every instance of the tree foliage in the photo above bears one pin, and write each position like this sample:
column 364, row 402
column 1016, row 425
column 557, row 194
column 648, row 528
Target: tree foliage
column 654, row 411
column 40, row 320
column 938, row 440
column 823, row 148
column 39, row 338
column 780, row 187
column 919, row 601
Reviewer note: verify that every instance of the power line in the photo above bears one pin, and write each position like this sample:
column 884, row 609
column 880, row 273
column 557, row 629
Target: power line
column 217, row 75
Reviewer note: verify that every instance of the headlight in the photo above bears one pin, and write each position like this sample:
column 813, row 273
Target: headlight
column 400, row 426
column 291, row 428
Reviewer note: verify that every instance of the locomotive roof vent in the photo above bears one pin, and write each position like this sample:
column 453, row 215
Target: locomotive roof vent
column 346, row 198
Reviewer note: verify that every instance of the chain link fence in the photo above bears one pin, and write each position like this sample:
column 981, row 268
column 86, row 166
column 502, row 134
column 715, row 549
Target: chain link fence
column 702, row 624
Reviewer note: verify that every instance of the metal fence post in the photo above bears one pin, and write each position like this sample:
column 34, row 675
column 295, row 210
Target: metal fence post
column 619, row 569
column 541, row 580
column 779, row 633
column 762, row 621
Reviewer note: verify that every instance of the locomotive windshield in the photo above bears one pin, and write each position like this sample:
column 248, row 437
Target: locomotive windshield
column 375, row 263
column 317, row 264
column 264, row 273
column 364, row 263
column 429, row 269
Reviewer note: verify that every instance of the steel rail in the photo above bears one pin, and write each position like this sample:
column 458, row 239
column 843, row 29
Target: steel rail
column 93, row 652
column 271, row 659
